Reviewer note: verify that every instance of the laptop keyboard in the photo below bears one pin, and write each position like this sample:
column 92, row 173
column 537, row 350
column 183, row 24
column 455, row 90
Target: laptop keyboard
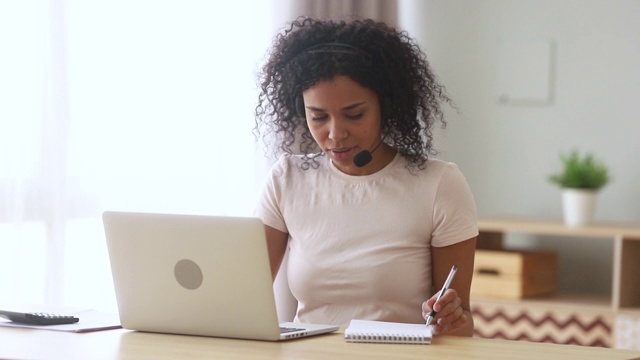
column 284, row 330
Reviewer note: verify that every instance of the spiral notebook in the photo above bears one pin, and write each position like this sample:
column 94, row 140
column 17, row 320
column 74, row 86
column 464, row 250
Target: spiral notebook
column 368, row 331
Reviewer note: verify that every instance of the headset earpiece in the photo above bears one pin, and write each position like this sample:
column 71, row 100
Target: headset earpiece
column 299, row 104
column 387, row 104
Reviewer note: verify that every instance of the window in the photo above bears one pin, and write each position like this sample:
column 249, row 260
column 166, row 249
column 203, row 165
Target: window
column 134, row 105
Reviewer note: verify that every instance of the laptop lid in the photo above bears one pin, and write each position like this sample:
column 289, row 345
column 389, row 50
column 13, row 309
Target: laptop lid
column 195, row 275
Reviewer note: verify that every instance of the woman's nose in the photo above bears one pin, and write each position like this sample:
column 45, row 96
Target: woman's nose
column 337, row 131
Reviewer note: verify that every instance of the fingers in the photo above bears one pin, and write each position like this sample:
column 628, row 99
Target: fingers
column 431, row 304
column 440, row 329
column 450, row 315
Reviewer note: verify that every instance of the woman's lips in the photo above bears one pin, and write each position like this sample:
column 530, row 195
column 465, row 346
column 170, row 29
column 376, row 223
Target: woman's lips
column 342, row 153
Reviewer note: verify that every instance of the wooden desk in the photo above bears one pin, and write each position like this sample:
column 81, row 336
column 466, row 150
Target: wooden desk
column 122, row 344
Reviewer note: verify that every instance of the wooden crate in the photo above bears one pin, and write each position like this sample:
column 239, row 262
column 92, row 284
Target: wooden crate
column 514, row 275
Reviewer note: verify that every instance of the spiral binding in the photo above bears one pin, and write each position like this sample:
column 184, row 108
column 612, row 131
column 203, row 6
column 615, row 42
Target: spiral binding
column 388, row 338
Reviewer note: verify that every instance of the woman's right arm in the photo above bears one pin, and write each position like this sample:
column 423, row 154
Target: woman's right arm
column 277, row 246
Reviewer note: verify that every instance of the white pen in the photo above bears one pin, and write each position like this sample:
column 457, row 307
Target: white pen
column 445, row 287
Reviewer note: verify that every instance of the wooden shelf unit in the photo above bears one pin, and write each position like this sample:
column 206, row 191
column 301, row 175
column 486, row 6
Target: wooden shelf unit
column 589, row 319
column 625, row 284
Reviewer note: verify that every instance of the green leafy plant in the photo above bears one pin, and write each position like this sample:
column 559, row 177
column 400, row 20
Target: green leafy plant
column 581, row 172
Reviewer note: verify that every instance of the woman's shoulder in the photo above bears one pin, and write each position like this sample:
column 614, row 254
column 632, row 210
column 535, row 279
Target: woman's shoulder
column 439, row 162
column 436, row 172
column 438, row 166
column 288, row 163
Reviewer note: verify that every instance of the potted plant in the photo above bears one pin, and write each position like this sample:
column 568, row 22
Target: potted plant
column 580, row 181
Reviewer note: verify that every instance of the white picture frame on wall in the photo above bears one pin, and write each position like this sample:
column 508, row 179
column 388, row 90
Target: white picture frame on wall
column 525, row 72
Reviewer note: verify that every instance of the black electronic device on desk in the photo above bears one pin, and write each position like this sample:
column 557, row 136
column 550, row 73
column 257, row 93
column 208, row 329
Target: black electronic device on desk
column 35, row 318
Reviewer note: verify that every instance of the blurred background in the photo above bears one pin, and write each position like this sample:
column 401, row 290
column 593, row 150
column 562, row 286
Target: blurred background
column 148, row 106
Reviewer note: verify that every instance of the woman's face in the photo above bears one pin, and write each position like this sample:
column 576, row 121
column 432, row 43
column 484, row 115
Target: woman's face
column 344, row 119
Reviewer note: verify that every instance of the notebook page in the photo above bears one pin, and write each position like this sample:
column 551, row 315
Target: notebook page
column 388, row 332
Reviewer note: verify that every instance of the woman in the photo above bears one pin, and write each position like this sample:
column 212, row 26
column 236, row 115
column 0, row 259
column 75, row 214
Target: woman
column 373, row 224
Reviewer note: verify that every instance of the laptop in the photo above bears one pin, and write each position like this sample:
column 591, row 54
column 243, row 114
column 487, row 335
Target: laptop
column 196, row 275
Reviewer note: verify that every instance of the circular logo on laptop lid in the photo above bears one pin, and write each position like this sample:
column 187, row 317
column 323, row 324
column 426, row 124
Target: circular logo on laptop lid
column 188, row 274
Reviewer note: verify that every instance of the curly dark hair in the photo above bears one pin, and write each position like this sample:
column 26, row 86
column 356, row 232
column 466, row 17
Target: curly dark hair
column 375, row 55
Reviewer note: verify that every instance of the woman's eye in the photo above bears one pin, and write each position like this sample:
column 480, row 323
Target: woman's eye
column 318, row 117
column 354, row 116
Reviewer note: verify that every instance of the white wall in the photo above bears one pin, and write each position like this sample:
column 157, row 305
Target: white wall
column 507, row 152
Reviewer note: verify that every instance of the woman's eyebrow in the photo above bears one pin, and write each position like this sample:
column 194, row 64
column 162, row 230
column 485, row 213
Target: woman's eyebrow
column 353, row 106
column 349, row 107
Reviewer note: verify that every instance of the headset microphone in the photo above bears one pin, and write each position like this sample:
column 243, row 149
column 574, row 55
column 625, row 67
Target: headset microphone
column 365, row 156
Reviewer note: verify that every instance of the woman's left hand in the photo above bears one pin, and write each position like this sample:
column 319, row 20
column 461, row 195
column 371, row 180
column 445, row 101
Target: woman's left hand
column 450, row 314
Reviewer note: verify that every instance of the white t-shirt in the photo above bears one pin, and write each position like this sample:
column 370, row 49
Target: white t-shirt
column 360, row 246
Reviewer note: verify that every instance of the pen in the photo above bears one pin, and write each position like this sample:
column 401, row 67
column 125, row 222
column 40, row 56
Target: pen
column 445, row 287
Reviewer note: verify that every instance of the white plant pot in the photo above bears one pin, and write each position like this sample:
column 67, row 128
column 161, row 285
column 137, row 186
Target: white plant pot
column 579, row 206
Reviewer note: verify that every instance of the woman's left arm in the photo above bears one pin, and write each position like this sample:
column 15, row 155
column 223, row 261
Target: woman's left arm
column 453, row 309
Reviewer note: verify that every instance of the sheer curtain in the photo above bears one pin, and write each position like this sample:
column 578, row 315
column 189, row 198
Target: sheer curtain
column 135, row 105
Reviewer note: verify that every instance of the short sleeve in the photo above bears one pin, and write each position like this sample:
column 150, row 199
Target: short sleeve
column 268, row 208
column 455, row 216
